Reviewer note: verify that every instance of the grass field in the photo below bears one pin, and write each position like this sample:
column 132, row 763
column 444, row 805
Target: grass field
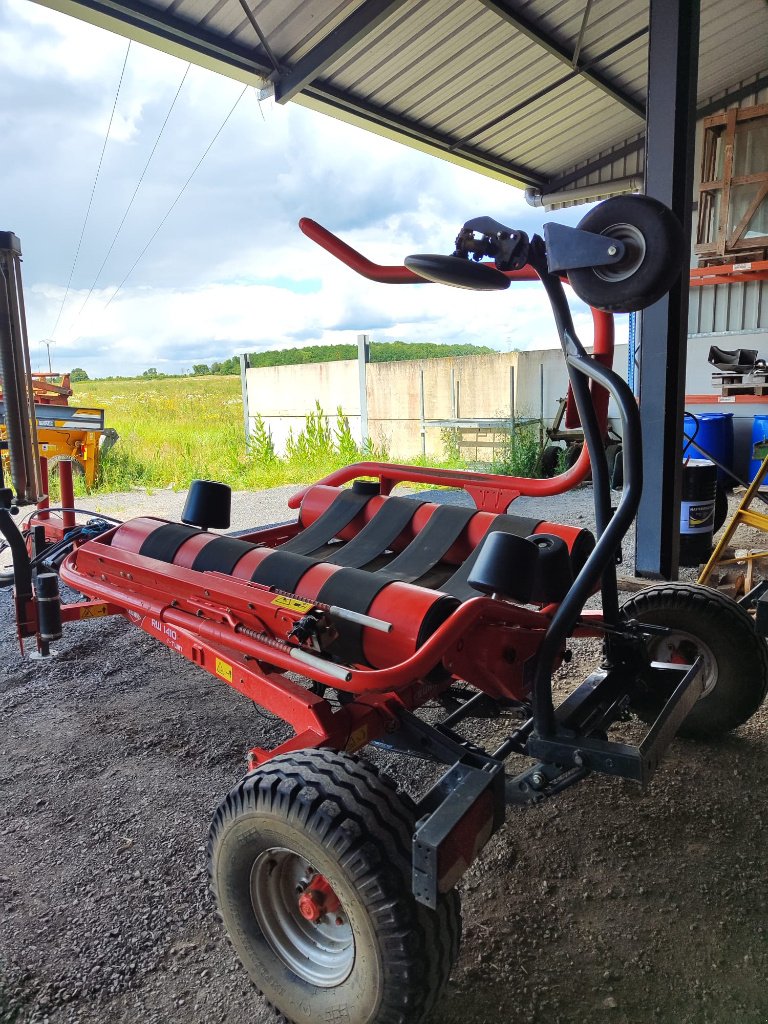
column 177, row 429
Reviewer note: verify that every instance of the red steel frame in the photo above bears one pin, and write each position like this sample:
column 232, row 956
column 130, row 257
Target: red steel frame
column 239, row 631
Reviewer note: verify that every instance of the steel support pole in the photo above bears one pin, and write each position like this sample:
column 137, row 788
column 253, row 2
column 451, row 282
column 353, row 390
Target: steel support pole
column 363, row 358
column 16, row 372
column 244, row 367
column 673, row 49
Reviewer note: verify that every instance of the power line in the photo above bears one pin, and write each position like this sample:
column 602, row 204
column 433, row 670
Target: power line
column 130, row 204
column 178, row 197
column 93, row 190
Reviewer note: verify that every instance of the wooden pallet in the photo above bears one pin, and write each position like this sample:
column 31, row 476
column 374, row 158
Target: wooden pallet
column 745, row 389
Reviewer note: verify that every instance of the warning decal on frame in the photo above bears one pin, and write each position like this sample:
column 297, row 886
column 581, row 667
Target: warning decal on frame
column 93, row 611
column 224, row 669
column 293, row 604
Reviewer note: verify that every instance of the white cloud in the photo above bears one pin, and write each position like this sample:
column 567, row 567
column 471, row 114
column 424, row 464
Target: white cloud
column 214, row 280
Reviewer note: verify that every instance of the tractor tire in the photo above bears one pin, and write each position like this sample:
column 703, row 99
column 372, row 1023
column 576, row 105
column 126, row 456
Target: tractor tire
column 309, row 860
column 653, row 258
column 706, row 623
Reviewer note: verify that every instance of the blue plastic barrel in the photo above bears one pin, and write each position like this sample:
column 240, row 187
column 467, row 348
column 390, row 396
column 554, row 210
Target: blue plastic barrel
column 759, row 433
column 714, row 436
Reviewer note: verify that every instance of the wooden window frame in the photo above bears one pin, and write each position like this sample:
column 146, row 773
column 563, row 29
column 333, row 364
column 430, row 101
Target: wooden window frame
column 709, row 188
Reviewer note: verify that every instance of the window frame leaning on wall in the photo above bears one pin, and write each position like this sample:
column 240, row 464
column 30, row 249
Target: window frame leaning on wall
column 726, row 138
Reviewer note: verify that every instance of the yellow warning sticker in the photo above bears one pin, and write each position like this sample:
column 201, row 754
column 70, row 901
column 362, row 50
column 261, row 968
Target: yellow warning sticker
column 293, row 604
column 224, row 669
column 93, row 611
column 358, row 738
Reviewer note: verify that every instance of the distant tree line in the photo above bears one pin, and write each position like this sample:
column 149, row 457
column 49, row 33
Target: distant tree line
column 381, row 352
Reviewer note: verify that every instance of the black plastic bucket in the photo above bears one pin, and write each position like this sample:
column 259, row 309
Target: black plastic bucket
column 697, row 511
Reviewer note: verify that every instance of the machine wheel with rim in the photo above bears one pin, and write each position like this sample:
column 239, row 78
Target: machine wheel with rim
column 310, row 864
column 653, row 259
column 707, row 624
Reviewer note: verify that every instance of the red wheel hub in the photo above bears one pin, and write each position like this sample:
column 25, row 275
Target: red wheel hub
column 318, row 899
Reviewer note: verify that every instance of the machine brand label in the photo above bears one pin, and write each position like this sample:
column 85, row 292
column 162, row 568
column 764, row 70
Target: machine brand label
column 224, row 670
column 697, row 516
column 292, row 604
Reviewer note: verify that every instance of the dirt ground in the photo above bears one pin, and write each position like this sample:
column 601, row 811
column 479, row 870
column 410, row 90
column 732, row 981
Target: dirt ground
column 605, row 904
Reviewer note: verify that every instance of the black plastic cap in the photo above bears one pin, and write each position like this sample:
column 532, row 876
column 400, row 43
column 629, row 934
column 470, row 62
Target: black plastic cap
column 366, row 487
column 554, row 569
column 505, row 565
column 208, row 505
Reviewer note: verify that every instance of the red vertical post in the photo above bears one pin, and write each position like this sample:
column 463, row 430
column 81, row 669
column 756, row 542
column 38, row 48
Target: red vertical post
column 45, row 501
column 67, row 493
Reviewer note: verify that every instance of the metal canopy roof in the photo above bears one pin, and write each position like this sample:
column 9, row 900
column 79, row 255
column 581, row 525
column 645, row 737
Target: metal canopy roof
column 522, row 90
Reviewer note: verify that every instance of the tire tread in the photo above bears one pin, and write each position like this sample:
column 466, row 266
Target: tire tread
column 369, row 826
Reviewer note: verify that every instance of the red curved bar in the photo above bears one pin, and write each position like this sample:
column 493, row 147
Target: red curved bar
column 514, row 486
column 380, row 272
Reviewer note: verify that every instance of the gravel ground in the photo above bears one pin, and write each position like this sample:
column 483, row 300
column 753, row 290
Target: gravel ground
column 606, row 903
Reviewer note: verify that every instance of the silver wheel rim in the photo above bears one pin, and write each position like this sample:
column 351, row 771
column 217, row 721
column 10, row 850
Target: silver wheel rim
column 632, row 258
column 682, row 648
column 319, row 952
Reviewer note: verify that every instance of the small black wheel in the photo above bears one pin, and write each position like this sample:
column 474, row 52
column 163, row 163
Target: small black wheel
column 616, row 468
column 654, row 256
column 548, row 459
column 310, row 864
column 704, row 622
column 572, row 453
column 611, row 451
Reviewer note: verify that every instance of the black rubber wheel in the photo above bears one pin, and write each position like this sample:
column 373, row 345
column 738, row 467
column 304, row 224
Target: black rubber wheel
column 735, row 657
column 548, row 460
column 611, row 452
column 721, row 507
column 654, row 256
column 572, row 453
column 616, row 468
column 315, row 823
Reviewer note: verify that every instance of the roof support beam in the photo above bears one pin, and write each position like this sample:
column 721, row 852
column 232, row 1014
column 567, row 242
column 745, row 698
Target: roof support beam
column 627, row 149
column 335, row 101
column 148, row 25
column 736, row 95
column 360, row 23
column 547, row 89
column 505, row 10
column 672, row 73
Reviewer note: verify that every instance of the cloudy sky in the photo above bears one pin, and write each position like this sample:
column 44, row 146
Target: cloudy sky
column 229, row 270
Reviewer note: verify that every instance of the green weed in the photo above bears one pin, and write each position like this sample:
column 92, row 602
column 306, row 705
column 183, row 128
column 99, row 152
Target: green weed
column 519, row 452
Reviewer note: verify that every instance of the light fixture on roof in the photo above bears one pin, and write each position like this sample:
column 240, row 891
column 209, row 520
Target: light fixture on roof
column 585, row 193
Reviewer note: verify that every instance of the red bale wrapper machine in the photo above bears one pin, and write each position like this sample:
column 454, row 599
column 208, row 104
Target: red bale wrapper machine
column 337, row 890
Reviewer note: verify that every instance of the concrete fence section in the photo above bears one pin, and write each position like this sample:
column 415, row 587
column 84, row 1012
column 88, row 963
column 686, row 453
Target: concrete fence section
column 409, row 404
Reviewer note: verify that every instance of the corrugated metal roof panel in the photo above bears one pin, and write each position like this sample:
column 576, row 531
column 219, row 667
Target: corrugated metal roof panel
column 461, row 78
